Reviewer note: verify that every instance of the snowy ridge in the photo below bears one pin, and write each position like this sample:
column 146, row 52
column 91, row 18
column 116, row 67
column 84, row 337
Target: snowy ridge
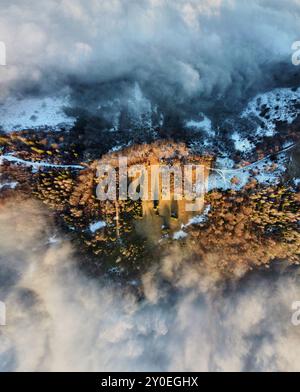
column 268, row 108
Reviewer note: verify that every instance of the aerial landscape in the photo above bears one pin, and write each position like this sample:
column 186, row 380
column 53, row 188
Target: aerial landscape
column 150, row 185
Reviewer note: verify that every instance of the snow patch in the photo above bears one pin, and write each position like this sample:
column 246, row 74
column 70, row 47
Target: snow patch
column 204, row 125
column 264, row 171
column 11, row 185
column 179, row 235
column 198, row 219
column 97, row 226
column 271, row 107
column 224, row 162
column 242, row 144
column 35, row 113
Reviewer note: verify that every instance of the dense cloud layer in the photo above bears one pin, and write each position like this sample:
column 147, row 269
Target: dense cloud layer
column 57, row 319
column 184, row 55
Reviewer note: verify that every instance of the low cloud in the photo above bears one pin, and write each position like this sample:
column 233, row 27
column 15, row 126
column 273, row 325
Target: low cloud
column 184, row 55
column 59, row 319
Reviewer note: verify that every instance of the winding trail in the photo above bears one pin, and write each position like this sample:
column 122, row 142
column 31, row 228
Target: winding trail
column 37, row 165
column 253, row 164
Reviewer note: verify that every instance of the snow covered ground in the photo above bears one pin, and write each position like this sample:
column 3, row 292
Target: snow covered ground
column 242, row 144
column 264, row 171
column 35, row 113
column 273, row 106
column 264, row 110
column 202, row 124
column 259, row 119
column 11, row 185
